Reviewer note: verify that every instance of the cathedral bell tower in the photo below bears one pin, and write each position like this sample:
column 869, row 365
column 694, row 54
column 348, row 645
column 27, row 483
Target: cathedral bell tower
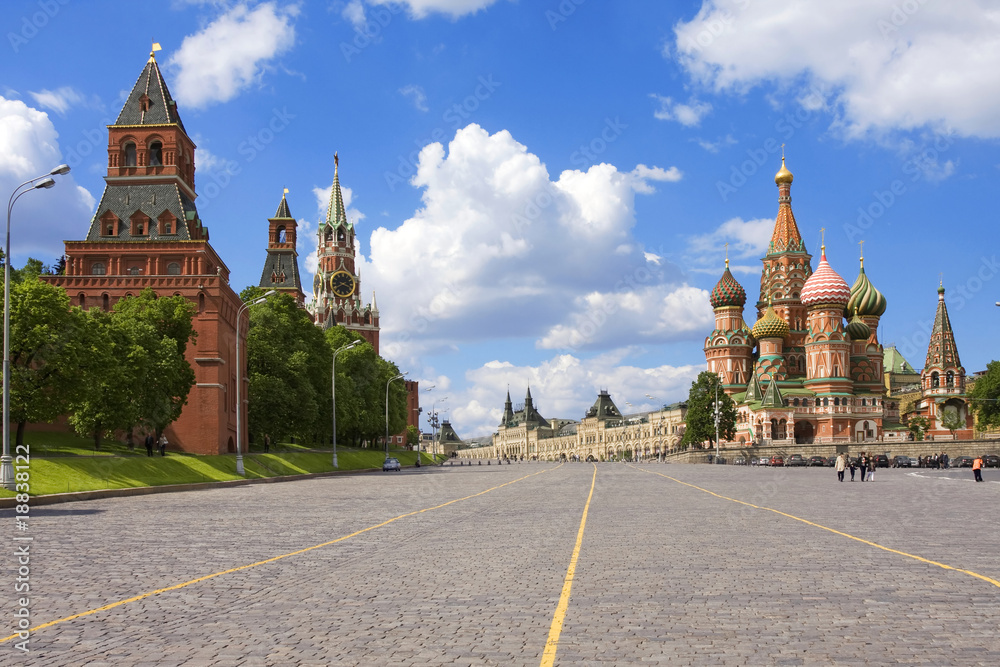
column 337, row 284
column 281, row 268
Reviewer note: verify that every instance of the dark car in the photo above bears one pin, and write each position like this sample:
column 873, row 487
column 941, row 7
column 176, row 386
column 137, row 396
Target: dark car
column 901, row 462
column 777, row 460
column 991, row 461
column 818, row 461
column 961, row 462
column 881, row 461
column 796, row 460
column 391, row 464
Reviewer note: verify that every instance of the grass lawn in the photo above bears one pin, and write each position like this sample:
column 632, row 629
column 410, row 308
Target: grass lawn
column 70, row 464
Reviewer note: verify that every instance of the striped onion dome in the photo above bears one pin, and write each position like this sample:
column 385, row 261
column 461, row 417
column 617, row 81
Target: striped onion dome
column 770, row 325
column 857, row 329
column 727, row 291
column 825, row 285
column 865, row 299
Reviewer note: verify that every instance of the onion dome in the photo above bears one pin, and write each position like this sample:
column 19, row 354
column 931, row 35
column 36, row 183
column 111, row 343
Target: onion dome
column 825, row 285
column 770, row 325
column 783, row 175
column 857, row 329
column 727, row 291
column 865, row 299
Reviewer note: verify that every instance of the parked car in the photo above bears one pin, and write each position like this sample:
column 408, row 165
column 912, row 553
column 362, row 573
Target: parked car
column 901, row 462
column 391, row 464
column 796, row 460
column 913, row 461
column 764, row 461
column 739, row 461
column 881, row 461
column 961, row 462
column 991, row 461
column 818, row 461
column 777, row 460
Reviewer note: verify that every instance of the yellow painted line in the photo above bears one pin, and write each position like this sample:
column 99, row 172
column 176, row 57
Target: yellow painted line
column 834, row 531
column 549, row 654
column 175, row 587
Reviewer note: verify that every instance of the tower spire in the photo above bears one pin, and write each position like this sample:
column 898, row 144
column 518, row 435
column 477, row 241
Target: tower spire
column 335, row 213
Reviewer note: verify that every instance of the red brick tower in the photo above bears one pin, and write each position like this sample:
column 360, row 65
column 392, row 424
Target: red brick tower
column 147, row 233
column 337, row 284
column 281, row 268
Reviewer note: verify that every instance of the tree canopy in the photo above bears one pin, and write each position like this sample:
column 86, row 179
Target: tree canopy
column 984, row 398
column 700, row 418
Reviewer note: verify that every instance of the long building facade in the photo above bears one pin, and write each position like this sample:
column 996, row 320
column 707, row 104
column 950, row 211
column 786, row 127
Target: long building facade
column 604, row 434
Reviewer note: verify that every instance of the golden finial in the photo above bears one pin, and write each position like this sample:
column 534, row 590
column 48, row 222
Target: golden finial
column 783, row 175
column 284, row 193
column 822, row 236
column 152, row 51
column 782, row 152
column 862, row 245
column 727, row 256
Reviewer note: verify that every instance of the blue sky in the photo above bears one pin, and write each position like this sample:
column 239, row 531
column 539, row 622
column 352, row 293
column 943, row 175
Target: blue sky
column 543, row 190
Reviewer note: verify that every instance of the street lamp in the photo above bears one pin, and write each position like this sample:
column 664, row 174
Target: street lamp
column 43, row 182
column 391, row 380
column 333, row 394
column 432, row 419
column 418, row 410
column 239, row 382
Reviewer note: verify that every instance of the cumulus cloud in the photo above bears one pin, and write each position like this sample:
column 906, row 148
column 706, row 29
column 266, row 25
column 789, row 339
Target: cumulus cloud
column 688, row 115
column 417, row 96
column 501, row 250
column 231, row 53
column 354, row 12
column 880, row 66
column 419, row 9
column 564, row 386
column 748, row 241
column 41, row 220
column 59, row 100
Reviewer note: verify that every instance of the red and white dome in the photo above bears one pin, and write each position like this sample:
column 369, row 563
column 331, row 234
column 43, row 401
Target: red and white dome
column 825, row 286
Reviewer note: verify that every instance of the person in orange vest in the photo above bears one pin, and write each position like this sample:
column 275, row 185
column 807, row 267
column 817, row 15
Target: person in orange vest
column 977, row 468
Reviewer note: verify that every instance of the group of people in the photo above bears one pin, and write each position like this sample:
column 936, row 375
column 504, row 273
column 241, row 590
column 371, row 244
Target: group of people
column 162, row 444
column 933, row 461
column 864, row 461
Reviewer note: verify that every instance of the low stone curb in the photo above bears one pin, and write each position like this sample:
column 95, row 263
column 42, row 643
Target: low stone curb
column 54, row 498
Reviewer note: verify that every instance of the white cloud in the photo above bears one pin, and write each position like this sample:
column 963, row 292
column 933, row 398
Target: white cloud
column 41, row 220
column 715, row 146
column 564, row 386
column 59, row 100
column 416, row 95
column 500, row 250
column 355, row 13
column 688, row 115
column 878, row 65
column 747, row 239
column 231, row 53
column 454, row 8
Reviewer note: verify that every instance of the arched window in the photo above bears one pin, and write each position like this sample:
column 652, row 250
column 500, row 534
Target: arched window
column 281, row 234
column 105, row 302
column 134, row 271
column 201, row 302
column 173, row 269
column 836, row 401
column 826, row 402
column 328, row 237
column 98, row 269
column 83, row 300
column 156, row 154
column 935, row 379
column 340, row 236
column 129, row 150
column 795, row 402
column 950, row 379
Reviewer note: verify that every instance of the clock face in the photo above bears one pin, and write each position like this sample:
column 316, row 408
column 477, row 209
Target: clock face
column 342, row 284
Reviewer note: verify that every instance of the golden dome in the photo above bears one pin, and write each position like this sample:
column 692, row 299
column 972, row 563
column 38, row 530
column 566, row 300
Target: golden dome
column 770, row 325
column 783, row 175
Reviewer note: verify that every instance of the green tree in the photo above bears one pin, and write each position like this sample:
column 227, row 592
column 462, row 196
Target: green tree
column 48, row 352
column 413, row 437
column 984, row 398
column 288, row 370
column 111, row 367
column 700, row 418
column 918, row 426
column 159, row 330
column 952, row 421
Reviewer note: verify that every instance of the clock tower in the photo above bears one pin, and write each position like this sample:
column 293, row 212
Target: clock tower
column 337, row 283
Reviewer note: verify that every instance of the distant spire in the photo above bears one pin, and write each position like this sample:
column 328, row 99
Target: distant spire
column 335, row 213
column 283, row 210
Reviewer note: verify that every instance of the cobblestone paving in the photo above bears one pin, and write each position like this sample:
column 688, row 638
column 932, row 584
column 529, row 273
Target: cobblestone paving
column 667, row 573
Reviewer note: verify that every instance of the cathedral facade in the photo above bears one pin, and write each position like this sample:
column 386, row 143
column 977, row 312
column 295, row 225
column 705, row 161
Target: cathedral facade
column 810, row 370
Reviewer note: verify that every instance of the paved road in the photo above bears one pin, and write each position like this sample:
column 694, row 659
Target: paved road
column 667, row 573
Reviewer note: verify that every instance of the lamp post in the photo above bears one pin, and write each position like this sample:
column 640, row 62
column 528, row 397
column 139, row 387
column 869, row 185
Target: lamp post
column 333, row 394
column 432, row 419
column 391, row 380
column 239, row 382
column 43, row 182
column 418, row 410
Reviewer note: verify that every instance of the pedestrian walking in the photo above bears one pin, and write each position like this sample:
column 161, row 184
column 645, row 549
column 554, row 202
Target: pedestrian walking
column 267, row 443
column 977, row 468
column 841, row 466
column 853, row 465
column 863, row 464
column 871, row 470
column 163, row 445
column 149, row 444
